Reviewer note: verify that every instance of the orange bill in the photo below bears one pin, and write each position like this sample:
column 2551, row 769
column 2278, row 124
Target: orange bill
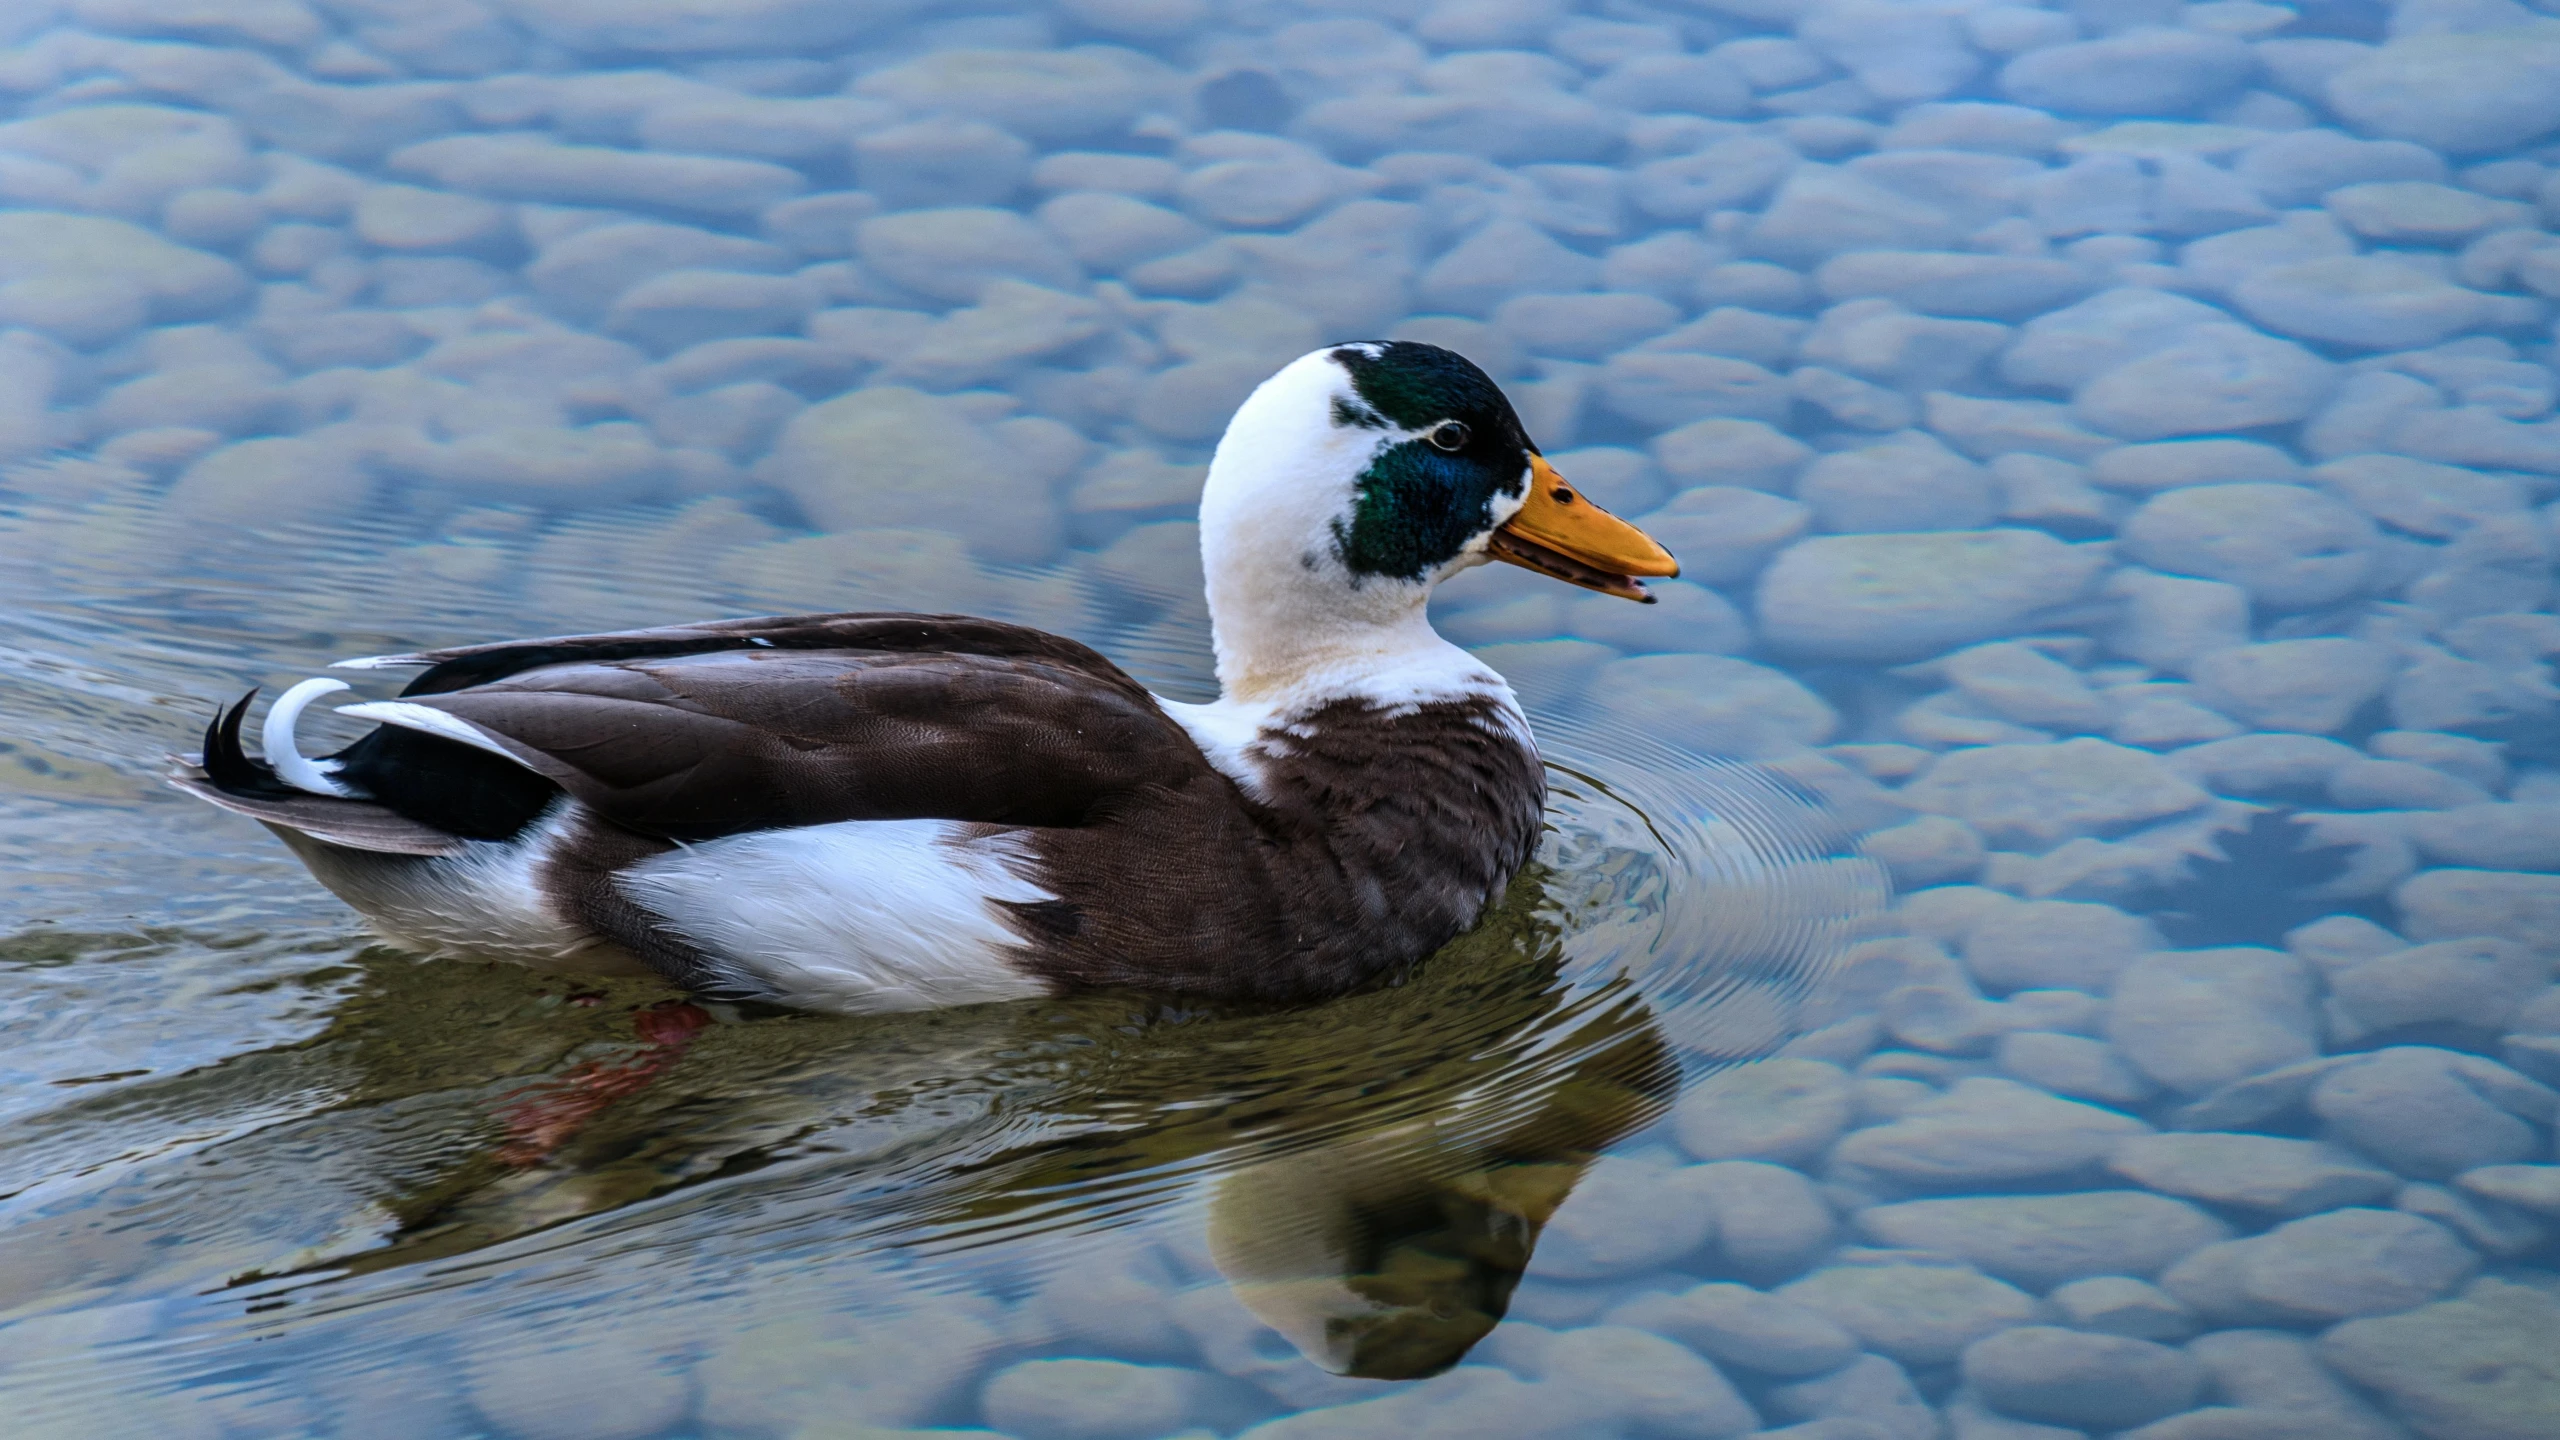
column 1559, row 532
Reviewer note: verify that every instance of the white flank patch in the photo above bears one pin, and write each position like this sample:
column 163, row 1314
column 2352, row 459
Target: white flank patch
column 858, row 917
column 380, row 662
column 429, row 720
column 276, row 738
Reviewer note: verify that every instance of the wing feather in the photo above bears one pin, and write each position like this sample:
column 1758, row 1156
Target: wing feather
column 894, row 632
column 698, row 745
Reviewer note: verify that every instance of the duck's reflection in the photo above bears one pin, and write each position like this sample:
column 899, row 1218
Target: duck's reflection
column 1379, row 1168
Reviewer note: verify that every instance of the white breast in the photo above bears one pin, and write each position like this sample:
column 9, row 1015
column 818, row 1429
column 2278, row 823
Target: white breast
column 862, row 916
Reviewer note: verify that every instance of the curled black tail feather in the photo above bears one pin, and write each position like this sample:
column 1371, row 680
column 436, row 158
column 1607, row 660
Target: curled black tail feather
column 228, row 765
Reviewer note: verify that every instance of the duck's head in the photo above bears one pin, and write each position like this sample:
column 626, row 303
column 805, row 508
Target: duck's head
column 1354, row 481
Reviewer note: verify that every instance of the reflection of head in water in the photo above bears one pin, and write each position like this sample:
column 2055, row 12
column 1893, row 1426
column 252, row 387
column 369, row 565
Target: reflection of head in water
column 1389, row 1254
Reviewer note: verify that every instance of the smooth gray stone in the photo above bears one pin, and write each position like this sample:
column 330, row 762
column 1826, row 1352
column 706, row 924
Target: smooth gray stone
column 940, row 161
column 1906, row 482
column 1081, row 1399
column 2263, row 764
column 2496, row 1230
column 1582, row 327
column 1626, row 1216
column 1727, row 453
column 2176, row 464
column 1716, row 705
column 2273, row 1386
column 1736, row 331
column 2072, row 1377
column 1965, row 286
column 2146, row 72
column 586, row 272
column 1521, row 125
column 1642, row 1382
column 1896, row 54
column 1770, row 1221
column 2122, row 1305
column 2359, row 300
column 1988, row 1131
column 2196, row 1020
column 951, row 254
column 2050, row 944
column 2040, row 1241
column 2480, row 982
column 1682, row 617
column 2478, row 1368
column 1990, row 429
column 2231, row 1422
column 2033, row 797
column 1725, row 533
column 2437, row 501
column 2431, row 1113
column 518, row 1388
column 2259, row 1098
column 1930, row 850
column 677, row 309
column 2454, row 904
column 2508, row 95
column 2068, row 348
column 1916, row 1313
column 2400, row 785
column 1667, row 265
column 2217, row 378
column 2289, row 546
column 2477, row 435
column 1109, row 233
column 1729, row 174
column 1661, row 389
column 1820, row 211
column 2074, row 1066
column 2491, row 836
column 1469, row 1400
column 2312, row 685
column 2528, row 1187
column 1880, row 341
column 1737, row 1325
column 515, row 167
column 2331, row 1266
column 2254, row 1172
column 2298, row 168
column 1049, row 97
column 1788, row 1111
column 1838, row 1428
column 1872, row 1389
column 2171, row 621
column 1856, row 403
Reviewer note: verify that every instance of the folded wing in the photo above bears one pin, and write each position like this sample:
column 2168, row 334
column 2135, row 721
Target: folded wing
column 700, row 745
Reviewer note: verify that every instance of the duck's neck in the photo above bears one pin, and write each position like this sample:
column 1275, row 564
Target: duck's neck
column 1290, row 640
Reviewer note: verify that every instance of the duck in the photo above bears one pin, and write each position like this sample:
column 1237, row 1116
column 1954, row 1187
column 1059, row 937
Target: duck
column 883, row 811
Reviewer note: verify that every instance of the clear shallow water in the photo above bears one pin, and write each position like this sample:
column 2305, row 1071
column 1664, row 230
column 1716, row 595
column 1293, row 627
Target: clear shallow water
column 2112, row 446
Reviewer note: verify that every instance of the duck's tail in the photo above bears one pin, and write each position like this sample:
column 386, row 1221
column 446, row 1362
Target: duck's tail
column 290, row 791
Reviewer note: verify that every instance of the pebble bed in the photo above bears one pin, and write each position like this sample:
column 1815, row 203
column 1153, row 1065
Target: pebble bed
column 2111, row 446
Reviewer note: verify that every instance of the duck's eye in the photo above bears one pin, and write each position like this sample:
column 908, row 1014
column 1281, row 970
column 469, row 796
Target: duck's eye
column 1448, row 435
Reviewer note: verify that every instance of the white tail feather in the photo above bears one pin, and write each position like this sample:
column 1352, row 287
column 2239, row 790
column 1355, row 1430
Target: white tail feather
column 429, row 720
column 283, row 756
